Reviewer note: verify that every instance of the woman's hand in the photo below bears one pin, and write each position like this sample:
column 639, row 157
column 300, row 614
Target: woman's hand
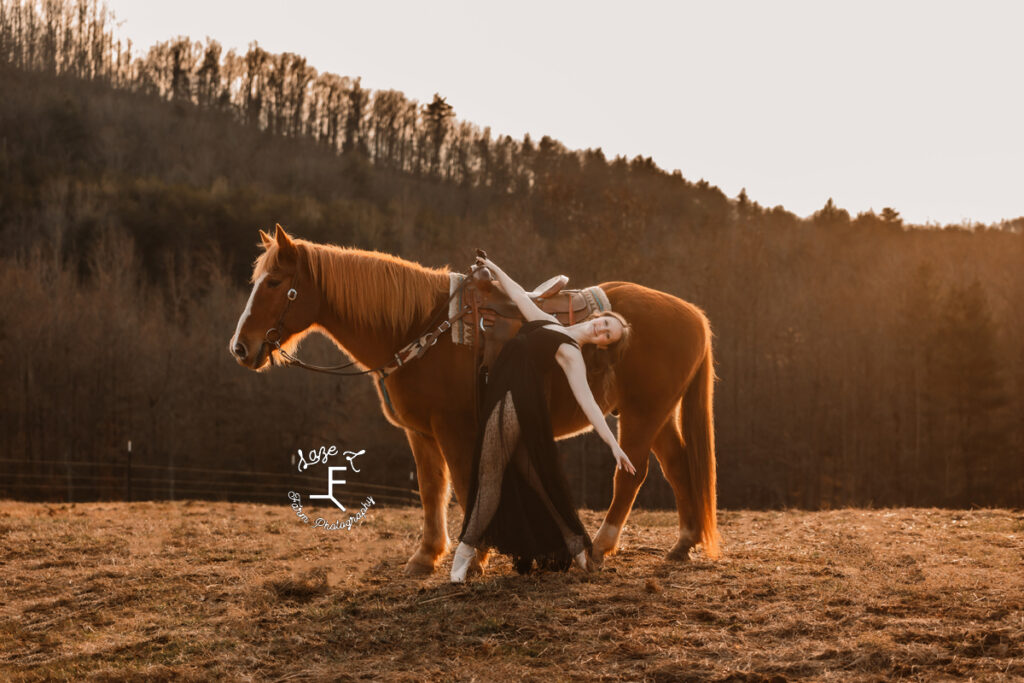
column 622, row 460
column 484, row 262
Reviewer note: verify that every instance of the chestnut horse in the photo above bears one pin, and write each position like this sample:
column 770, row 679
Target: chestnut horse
column 372, row 304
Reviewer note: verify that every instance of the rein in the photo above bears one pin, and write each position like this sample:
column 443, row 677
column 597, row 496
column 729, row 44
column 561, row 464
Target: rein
column 411, row 351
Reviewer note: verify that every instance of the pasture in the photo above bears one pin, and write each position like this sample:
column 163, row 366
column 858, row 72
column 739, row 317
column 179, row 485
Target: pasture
column 199, row 591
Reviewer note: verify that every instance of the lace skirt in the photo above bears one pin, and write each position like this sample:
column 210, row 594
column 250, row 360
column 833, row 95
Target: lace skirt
column 519, row 504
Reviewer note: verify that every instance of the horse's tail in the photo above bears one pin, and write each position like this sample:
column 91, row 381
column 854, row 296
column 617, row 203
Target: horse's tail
column 699, row 437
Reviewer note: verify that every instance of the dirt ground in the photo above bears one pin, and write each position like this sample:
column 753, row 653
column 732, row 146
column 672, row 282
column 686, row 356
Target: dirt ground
column 203, row 591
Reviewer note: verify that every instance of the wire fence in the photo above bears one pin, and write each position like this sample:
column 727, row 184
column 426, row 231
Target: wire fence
column 73, row 481
column 134, row 478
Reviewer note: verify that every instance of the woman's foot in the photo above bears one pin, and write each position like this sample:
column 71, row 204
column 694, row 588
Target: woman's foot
column 582, row 560
column 464, row 555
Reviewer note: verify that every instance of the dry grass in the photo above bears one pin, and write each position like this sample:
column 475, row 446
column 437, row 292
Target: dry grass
column 200, row 591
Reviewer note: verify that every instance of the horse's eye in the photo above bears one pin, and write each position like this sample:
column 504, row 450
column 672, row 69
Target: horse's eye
column 273, row 283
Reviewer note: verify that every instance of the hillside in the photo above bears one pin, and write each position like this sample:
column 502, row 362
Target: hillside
column 861, row 360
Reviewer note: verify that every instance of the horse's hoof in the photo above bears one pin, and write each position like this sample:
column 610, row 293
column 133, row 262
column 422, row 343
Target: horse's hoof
column 416, row 567
column 606, row 542
column 680, row 553
column 479, row 563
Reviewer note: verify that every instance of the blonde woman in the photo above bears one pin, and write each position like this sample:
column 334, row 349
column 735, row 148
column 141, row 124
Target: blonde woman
column 519, row 499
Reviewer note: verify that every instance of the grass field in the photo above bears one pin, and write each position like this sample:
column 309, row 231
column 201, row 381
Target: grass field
column 201, row 591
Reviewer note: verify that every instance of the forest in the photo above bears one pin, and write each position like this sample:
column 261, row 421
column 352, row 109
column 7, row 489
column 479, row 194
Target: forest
column 862, row 361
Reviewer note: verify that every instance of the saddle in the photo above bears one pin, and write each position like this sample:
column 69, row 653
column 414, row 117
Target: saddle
column 493, row 318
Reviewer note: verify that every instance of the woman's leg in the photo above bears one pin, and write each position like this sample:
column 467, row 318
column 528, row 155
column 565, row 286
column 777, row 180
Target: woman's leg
column 501, row 437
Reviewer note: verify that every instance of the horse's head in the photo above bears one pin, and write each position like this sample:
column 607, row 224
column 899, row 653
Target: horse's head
column 283, row 305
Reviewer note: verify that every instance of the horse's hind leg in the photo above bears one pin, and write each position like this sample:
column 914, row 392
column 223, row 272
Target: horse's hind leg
column 671, row 453
column 635, row 436
column 432, row 473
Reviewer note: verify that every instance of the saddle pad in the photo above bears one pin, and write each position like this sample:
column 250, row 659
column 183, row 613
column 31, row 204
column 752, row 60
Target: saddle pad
column 462, row 332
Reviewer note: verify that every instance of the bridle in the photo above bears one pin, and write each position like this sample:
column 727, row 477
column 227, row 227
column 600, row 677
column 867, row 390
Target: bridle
column 409, row 352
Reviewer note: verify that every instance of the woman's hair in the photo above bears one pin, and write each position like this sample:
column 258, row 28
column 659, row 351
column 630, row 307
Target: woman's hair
column 601, row 362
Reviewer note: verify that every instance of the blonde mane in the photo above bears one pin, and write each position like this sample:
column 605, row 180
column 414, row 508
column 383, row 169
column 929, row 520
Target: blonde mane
column 367, row 287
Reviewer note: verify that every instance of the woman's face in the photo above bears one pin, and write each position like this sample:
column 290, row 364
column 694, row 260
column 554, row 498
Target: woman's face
column 605, row 330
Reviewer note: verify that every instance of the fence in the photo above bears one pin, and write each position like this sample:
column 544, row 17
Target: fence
column 84, row 481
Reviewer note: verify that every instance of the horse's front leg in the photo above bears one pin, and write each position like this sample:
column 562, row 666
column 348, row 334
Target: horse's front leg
column 432, row 474
column 635, row 435
column 457, row 445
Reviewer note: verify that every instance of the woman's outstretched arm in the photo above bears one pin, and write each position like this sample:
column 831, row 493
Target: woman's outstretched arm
column 571, row 360
column 518, row 295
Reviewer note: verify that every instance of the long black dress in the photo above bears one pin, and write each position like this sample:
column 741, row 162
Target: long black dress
column 519, row 500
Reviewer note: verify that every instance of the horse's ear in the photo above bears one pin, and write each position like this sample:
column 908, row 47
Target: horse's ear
column 285, row 247
column 266, row 239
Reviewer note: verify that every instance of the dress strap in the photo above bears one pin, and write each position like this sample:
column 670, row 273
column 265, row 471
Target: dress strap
column 533, row 324
column 564, row 336
column 566, row 339
column 542, row 325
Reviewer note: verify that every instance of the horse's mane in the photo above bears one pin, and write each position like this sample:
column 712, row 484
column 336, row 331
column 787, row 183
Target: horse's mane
column 391, row 291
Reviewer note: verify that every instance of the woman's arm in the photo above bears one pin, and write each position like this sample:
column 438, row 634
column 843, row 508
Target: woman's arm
column 518, row 295
column 571, row 360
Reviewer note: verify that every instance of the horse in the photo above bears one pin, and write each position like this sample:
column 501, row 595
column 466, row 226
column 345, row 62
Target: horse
column 371, row 304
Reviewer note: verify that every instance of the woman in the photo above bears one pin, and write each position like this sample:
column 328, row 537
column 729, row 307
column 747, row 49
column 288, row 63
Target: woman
column 519, row 499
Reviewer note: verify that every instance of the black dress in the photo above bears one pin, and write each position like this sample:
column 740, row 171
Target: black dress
column 519, row 500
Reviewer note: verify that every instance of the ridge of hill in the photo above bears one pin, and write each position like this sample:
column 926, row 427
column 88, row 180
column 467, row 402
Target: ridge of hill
column 861, row 361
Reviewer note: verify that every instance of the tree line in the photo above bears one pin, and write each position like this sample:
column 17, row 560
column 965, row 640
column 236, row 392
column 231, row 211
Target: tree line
column 861, row 361
column 279, row 93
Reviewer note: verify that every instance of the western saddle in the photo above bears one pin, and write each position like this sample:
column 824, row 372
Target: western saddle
column 493, row 318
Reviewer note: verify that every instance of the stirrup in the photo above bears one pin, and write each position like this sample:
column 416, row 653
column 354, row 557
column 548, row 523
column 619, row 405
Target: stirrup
column 464, row 555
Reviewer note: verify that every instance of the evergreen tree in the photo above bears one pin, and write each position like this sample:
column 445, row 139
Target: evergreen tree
column 437, row 117
column 891, row 216
column 831, row 216
column 357, row 99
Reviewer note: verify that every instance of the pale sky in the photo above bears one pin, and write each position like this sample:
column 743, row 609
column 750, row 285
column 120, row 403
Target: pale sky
column 914, row 105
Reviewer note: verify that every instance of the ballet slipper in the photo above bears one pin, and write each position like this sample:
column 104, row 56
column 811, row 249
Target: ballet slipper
column 582, row 560
column 464, row 554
